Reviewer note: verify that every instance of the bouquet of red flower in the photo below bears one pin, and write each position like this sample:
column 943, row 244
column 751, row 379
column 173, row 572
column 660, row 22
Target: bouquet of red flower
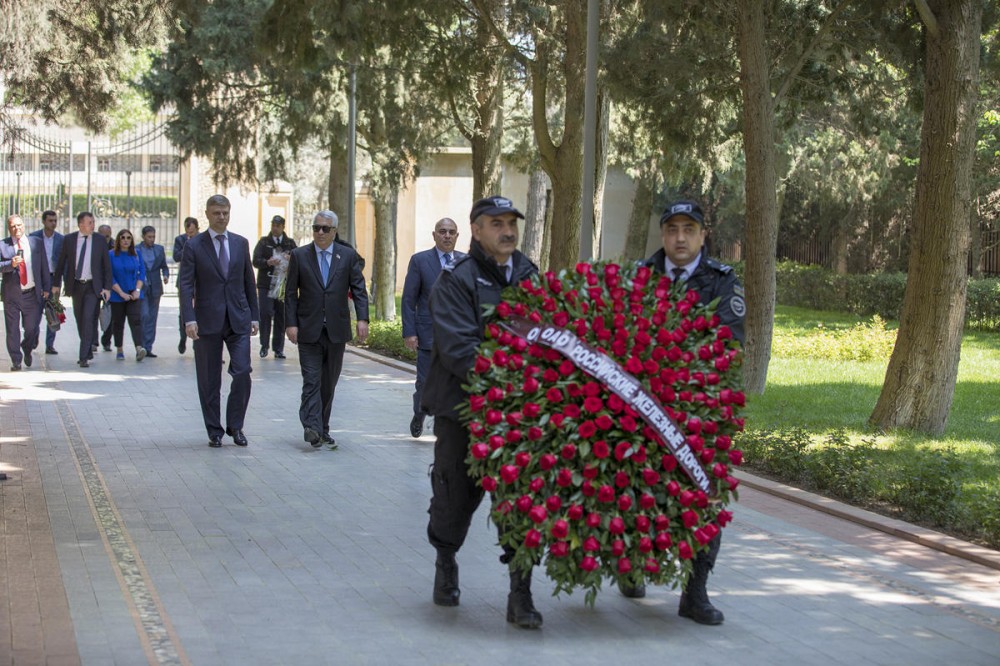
column 602, row 409
column 55, row 313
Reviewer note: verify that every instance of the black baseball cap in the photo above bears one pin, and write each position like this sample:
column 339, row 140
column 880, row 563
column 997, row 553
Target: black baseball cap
column 683, row 207
column 277, row 219
column 493, row 206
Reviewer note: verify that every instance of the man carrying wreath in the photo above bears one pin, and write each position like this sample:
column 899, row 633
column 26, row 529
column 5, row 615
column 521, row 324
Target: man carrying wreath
column 456, row 306
column 682, row 229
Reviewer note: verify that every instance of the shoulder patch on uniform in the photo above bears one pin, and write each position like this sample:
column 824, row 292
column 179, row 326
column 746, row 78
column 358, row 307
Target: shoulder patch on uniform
column 484, row 281
column 738, row 306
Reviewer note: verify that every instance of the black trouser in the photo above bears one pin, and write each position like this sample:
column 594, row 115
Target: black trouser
column 85, row 306
column 456, row 494
column 131, row 310
column 321, row 363
column 271, row 308
column 423, row 367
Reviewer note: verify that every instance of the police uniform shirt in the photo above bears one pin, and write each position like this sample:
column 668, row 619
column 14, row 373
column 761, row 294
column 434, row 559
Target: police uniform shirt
column 689, row 270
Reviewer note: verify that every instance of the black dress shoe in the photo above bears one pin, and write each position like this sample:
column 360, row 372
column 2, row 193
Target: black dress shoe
column 417, row 425
column 50, row 350
column 263, row 352
column 312, row 437
column 632, row 591
column 85, row 363
column 215, row 441
column 107, row 347
column 238, row 437
column 14, row 367
column 182, row 346
column 27, row 358
column 279, row 354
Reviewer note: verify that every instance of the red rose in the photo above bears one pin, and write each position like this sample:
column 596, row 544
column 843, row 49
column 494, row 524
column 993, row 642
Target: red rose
column 622, row 479
column 575, row 512
column 633, row 365
column 493, row 417
column 707, row 456
column 719, row 470
column 539, row 514
column 593, row 519
column 622, row 450
column 693, row 425
column 587, row 429
column 566, row 368
column 531, row 409
column 645, row 544
column 514, row 436
column 560, row 528
column 560, row 319
column 628, row 424
column 617, row 525
column 524, row 503
column 559, row 549
column 504, row 508
column 488, row 483
column 480, row 450
column 724, row 517
column 700, row 499
column 593, row 404
column 588, row 563
column 500, row 358
column 673, row 488
column 557, row 420
column 652, row 566
column 624, row 565
column 535, row 433
column 496, row 442
column 571, row 411
column 689, row 518
column 711, row 530
column 509, row 473
column 477, row 403
column 642, row 523
column 600, row 449
column 513, row 418
column 625, row 502
column 554, row 395
column 550, row 375
column 476, row 428
column 615, row 403
column 590, row 472
column 565, row 478
column 606, row 494
column 732, row 482
column 647, row 501
column 587, row 488
column 568, row 451
column 553, row 503
column 736, row 457
column 591, row 544
column 604, row 422
column 661, row 523
column 536, row 484
column 669, row 463
column 483, row 364
column 723, row 442
column 547, row 461
column 522, row 459
column 684, row 550
column 532, row 538
column 686, row 497
column 617, row 547
column 639, row 454
column 702, row 537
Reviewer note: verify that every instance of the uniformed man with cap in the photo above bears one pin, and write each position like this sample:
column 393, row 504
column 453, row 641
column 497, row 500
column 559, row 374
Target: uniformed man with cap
column 456, row 301
column 682, row 229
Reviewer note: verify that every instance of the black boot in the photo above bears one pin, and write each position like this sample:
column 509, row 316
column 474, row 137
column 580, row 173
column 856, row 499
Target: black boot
column 632, row 591
column 694, row 599
column 446, row 592
column 520, row 608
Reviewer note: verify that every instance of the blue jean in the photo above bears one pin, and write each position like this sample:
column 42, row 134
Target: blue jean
column 150, row 312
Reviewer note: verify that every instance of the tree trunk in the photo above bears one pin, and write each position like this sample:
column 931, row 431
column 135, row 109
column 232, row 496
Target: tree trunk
column 761, row 192
column 339, row 189
column 975, row 242
column 638, row 222
column 384, row 271
column 533, row 240
column 839, row 244
column 601, row 166
column 920, row 380
column 488, row 131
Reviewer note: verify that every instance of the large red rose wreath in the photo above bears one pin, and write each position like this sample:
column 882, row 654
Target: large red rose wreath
column 602, row 409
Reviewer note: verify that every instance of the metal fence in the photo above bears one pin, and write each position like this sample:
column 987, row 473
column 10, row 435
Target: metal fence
column 131, row 181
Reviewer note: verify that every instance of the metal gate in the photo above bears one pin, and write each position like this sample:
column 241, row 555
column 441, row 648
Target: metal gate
column 128, row 182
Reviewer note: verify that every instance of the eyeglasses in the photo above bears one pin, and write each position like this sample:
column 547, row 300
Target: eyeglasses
column 320, row 228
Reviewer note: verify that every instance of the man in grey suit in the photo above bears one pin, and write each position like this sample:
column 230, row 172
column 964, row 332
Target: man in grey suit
column 219, row 305
column 318, row 320
column 53, row 241
column 26, row 285
column 155, row 258
column 86, row 268
column 418, row 331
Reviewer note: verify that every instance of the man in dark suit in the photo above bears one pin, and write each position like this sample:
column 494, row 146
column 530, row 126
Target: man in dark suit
column 418, row 331
column 190, row 231
column 26, row 284
column 318, row 320
column 271, row 252
column 219, row 305
column 85, row 267
column 53, row 241
column 155, row 258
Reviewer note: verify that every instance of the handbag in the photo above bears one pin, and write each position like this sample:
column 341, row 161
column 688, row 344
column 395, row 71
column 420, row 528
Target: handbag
column 105, row 315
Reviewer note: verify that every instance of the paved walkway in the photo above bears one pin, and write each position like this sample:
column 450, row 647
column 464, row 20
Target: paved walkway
column 126, row 540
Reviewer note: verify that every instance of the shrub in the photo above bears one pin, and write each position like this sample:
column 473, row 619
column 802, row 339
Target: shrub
column 865, row 341
column 845, row 469
column 386, row 337
column 926, row 485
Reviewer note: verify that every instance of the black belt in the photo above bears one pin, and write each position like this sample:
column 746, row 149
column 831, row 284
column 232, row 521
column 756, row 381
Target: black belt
column 28, row 290
column 84, row 281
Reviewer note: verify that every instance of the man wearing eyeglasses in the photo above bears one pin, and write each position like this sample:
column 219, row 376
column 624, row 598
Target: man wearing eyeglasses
column 418, row 330
column 318, row 320
column 218, row 297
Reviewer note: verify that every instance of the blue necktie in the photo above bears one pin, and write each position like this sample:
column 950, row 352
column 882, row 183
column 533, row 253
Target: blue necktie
column 445, row 259
column 223, row 255
column 324, row 266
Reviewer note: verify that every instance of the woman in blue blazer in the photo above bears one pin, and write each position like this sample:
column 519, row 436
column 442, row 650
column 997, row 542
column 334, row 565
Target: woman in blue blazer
column 128, row 275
